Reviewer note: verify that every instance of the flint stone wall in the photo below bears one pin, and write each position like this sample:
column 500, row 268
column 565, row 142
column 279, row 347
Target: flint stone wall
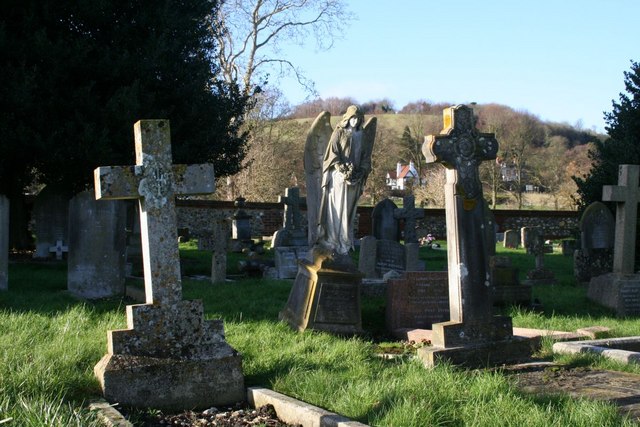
column 267, row 218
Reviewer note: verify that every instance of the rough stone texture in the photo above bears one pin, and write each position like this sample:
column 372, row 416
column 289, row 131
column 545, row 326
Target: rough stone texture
column 51, row 220
column 367, row 259
column 417, row 300
column 618, row 292
column 97, row 243
column 626, row 195
column 287, row 258
column 624, row 350
column 325, row 296
column 472, row 329
column 595, row 255
column 219, row 247
column 4, row 243
column 169, row 357
column 589, row 265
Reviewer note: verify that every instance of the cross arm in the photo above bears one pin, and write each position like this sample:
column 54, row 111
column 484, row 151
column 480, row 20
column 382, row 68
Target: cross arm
column 194, row 179
column 116, row 182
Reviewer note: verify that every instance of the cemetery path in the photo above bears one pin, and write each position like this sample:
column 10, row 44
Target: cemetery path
column 619, row 388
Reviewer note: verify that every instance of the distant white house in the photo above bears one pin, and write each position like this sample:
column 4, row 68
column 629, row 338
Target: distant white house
column 403, row 177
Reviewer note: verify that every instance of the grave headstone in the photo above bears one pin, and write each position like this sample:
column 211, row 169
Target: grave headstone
column 290, row 243
column 595, row 255
column 384, row 221
column 4, row 243
column 539, row 275
column 169, row 357
column 59, row 249
column 528, row 239
column 620, row 290
column 416, row 300
column 473, row 335
column 219, row 250
column 97, row 245
column 511, row 239
column 134, row 241
column 240, row 227
column 505, row 285
column 410, row 214
column 51, row 221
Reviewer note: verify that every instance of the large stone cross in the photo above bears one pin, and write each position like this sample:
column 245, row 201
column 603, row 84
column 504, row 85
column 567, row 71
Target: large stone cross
column 292, row 202
column 155, row 182
column 461, row 148
column 627, row 196
column 411, row 215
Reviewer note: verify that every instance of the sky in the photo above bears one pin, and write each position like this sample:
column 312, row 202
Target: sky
column 561, row 60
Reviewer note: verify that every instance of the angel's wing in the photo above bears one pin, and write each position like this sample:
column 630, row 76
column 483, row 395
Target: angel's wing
column 369, row 137
column 317, row 139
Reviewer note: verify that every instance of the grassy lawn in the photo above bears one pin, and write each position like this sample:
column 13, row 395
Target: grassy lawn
column 51, row 341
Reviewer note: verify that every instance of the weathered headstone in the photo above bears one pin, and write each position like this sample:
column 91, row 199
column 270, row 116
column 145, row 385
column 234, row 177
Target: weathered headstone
column 219, row 250
column 169, row 356
column 241, row 237
column 290, row 243
column 511, row 239
column 528, row 238
column 473, row 335
column 410, row 215
column 51, row 221
column 4, row 243
column 534, row 244
column 384, row 221
column 97, row 245
column 620, row 290
column 416, row 300
column 595, row 255
column 505, row 285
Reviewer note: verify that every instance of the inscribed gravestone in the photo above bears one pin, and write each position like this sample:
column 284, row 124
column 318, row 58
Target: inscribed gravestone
column 291, row 241
column 385, row 224
column 595, row 255
column 417, row 300
column 4, row 243
column 97, row 245
column 51, row 220
column 473, row 334
column 511, row 239
column 169, row 356
column 620, row 290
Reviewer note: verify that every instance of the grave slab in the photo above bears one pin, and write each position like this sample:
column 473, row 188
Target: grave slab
column 169, row 357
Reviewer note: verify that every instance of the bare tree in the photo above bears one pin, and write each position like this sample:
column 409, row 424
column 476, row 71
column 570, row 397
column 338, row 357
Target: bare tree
column 251, row 33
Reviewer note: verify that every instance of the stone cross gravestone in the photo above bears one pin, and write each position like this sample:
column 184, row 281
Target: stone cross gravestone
column 533, row 240
column 169, row 356
column 620, row 290
column 51, row 221
column 59, row 249
column 291, row 241
column 4, row 243
column 410, row 215
column 240, row 227
column 97, row 246
column 473, row 335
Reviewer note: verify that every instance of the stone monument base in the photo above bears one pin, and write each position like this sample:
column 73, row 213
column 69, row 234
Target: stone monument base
column 514, row 349
column 171, row 384
column 325, row 296
column 620, row 292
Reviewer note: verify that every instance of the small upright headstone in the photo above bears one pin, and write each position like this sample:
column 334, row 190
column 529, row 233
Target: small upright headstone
column 473, row 335
column 51, row 220
column 620, row 290
column 169, row 357
column 595, row 255
column 4, row 243
column 511, row 239
column 539, row 275
column 384, row 221
column 219, row 250
column 97, row 243
column 528, row 238
column 240, row 227
column 290, row 243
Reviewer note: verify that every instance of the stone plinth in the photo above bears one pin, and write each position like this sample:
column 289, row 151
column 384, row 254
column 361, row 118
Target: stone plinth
column 620, row 292
column 324, row 299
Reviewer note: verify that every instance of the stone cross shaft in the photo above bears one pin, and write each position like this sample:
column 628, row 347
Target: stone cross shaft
column 626, row 195
column 292, row 202
column 411, row 215
column 461, row 148
column 155, row 182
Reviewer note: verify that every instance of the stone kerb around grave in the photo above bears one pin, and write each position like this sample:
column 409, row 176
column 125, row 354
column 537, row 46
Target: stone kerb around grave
column 169, row 357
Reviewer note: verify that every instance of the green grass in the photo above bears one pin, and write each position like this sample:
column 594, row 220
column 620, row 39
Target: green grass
column 51, row 342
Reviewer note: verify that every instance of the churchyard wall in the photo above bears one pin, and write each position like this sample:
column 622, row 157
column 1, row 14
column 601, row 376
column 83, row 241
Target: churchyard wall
column 196, row 215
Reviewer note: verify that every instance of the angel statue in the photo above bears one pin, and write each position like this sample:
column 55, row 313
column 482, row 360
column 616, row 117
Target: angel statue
column 335, row 183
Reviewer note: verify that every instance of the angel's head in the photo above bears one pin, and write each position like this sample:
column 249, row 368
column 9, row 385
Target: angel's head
column 353, row 118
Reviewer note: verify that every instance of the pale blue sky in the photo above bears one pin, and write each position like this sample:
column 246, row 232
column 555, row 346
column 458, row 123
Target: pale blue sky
column 562, row 60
